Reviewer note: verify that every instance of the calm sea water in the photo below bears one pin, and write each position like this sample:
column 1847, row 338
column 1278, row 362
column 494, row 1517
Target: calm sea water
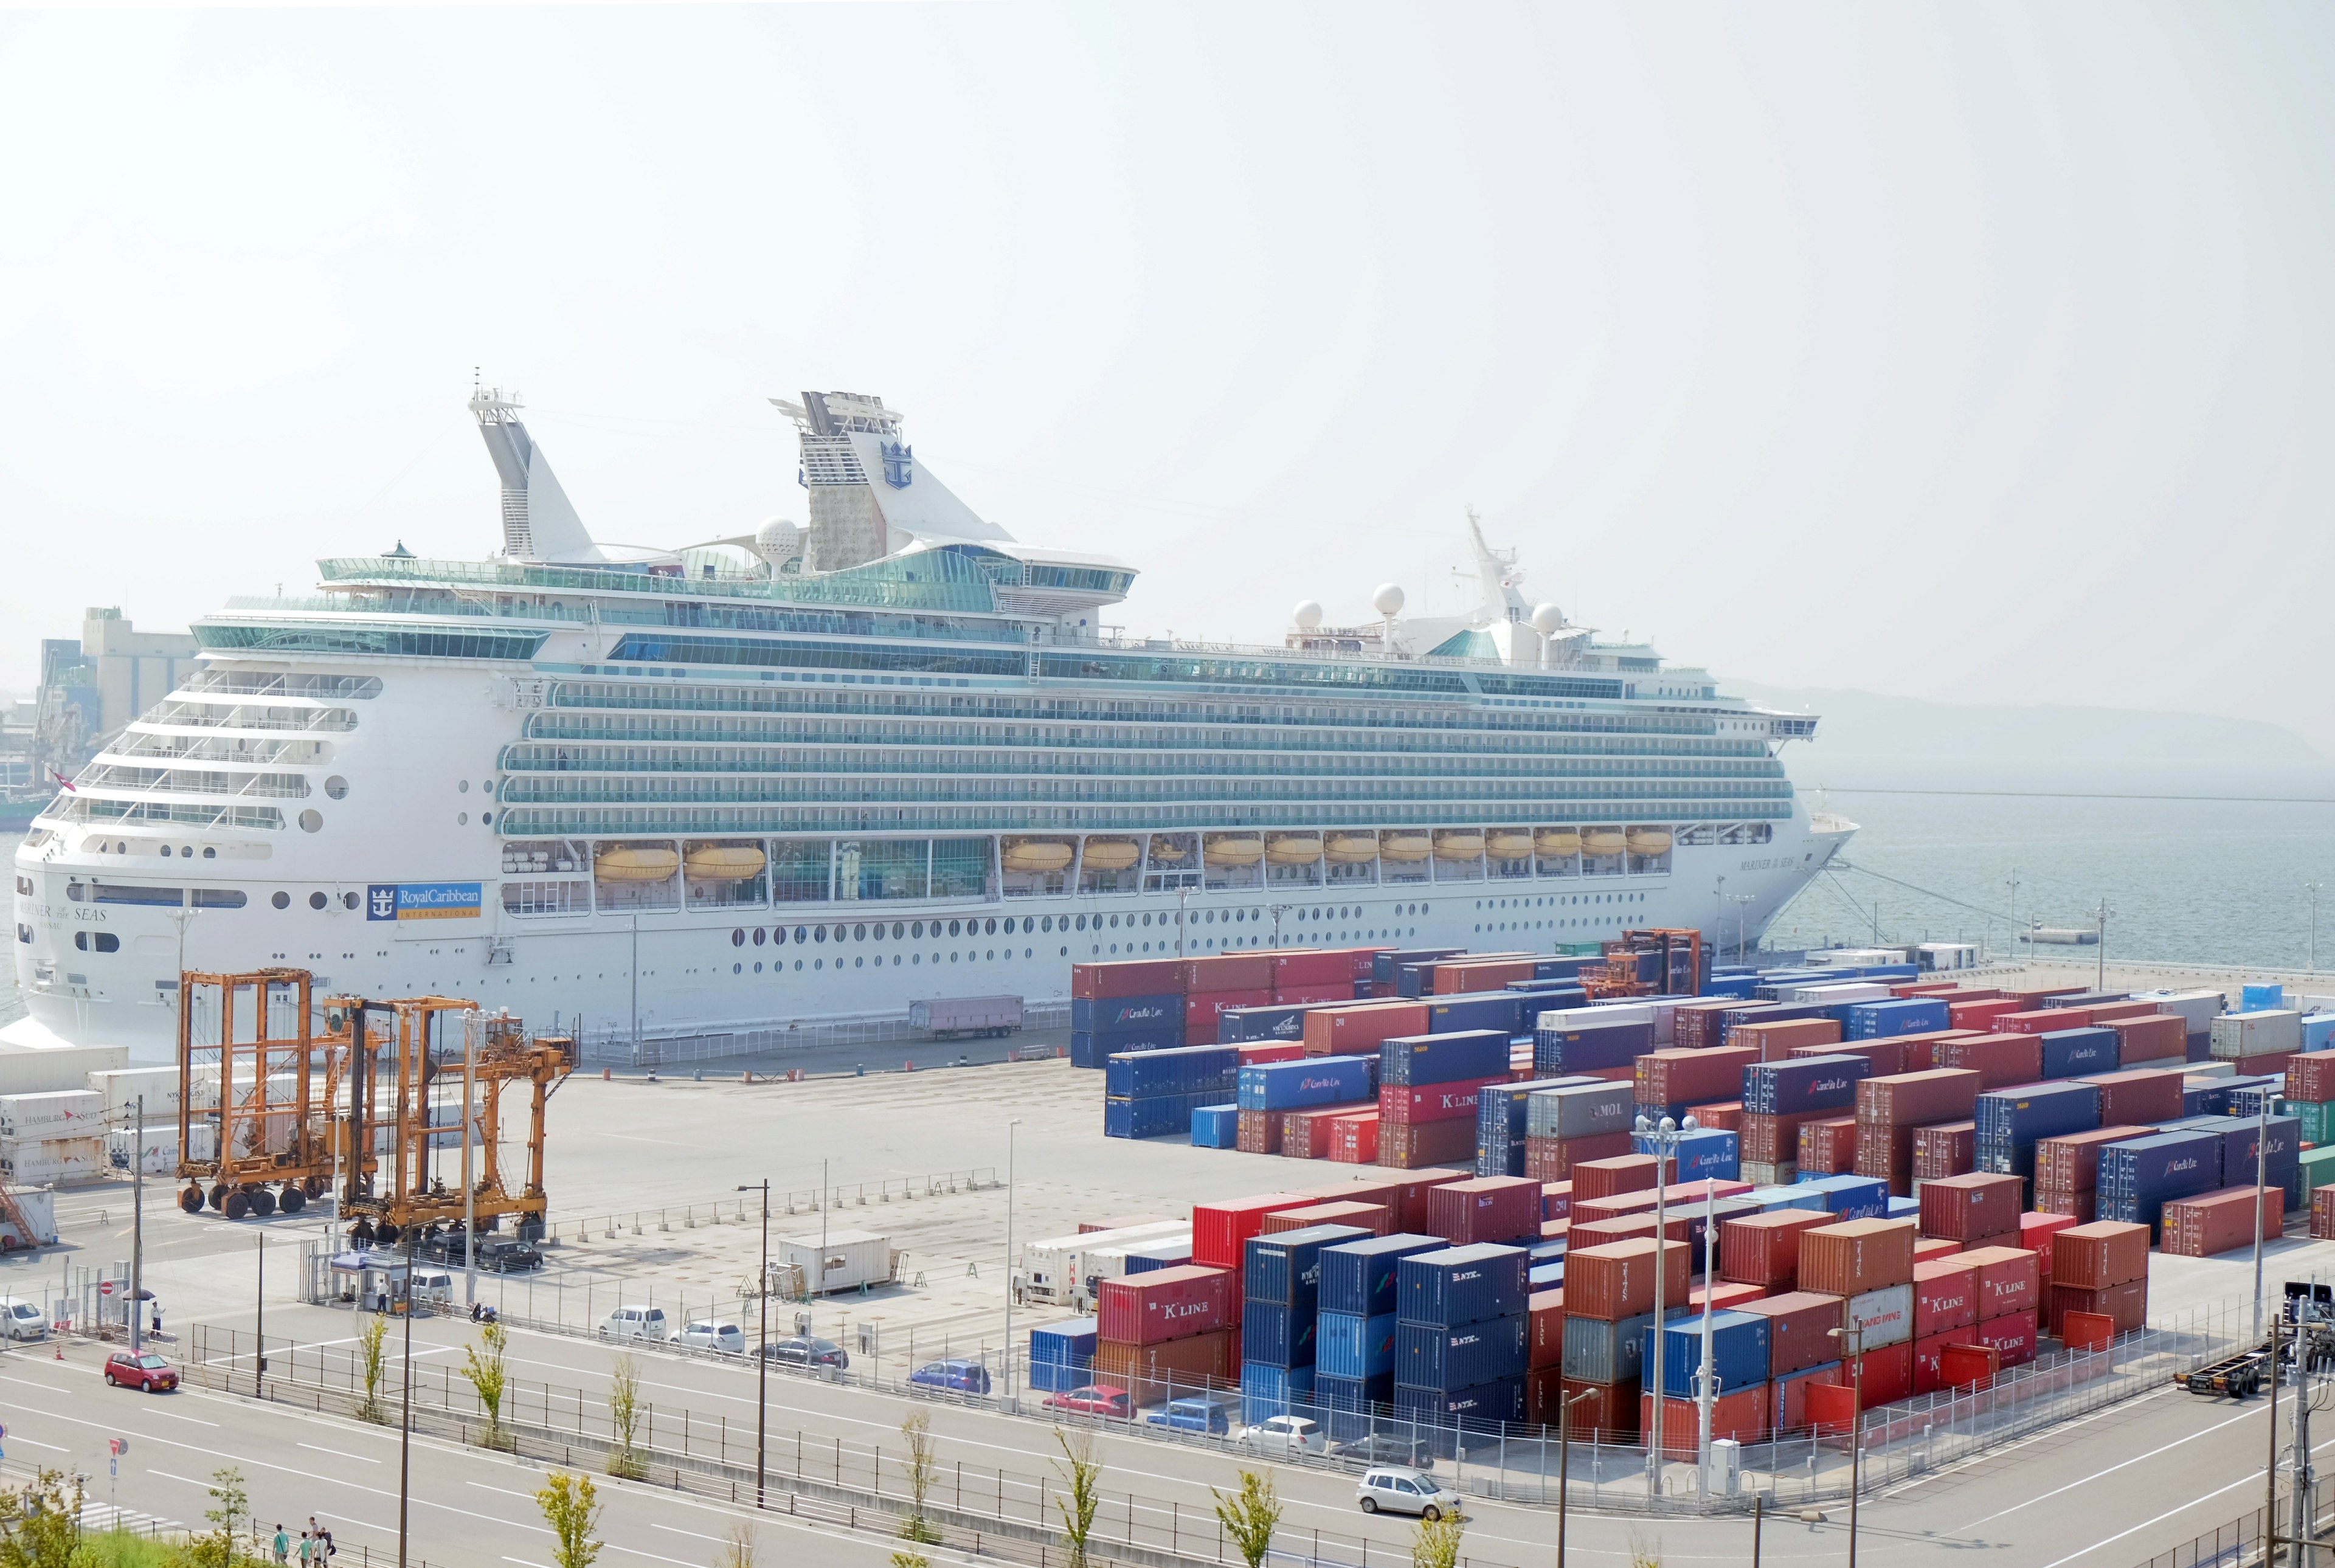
column 2220, row 874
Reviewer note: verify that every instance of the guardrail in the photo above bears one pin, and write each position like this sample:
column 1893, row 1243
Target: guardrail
column 617, row 1048
column 746, row 1208
column 2245, row 1543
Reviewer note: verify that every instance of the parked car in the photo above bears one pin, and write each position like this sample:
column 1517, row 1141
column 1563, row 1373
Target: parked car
column 726, row 1338
column 140, row 1369
column 507, row 1255
column 1210, row 1413
column 1285, row 1435
column 958, row 1376
column 1400, row 1489
column 1094, row 1399
column 802, row 1351
column 635, row 1323
column 21, row 1319
column 1380, row 1449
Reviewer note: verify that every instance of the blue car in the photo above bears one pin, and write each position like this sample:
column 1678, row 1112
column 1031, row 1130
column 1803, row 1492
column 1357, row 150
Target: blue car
column 959, row 1377
column 1209, row 1413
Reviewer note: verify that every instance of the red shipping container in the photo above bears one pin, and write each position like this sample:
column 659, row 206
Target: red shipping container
column 1148, row 977
column 1410, row 1197
column 1929, row 1352
column 2000, row 1060
column 1887, row 1155
column 1966, row 1207
column 1617, row 1282
column 1259, row 1131
column 1171, row 1303
column 1677, row 1225
column 1888, row 1375
column 1672, row 1077
column 2072, row 1163
column 1361, row 1029
column 1306, row 1134
column 1945, row 1296
column 1371, row 1217
column 1221, row 1230
column 1609, row 1415
column 1775, row 1041
column 2043, row 1021
column 1982, row 1012
column 1929, row 1249
column 2125, row 1305
column 1312, row 995
column 1257, row 1052
column 2214, row 1223
column 1912, row 988
column 2035, row 1233
column 1789, row 1411
column 2079, row 1207
column 1312, row 966
column 2322, row 1214
column 1201, row 1007
column 1766, row 1139
column 1741, row 1415
column 2005, row 1280
column 1486, row 1209
column 1147, row 1372
column 1679, row 1196
column 1554, row 1159
column 1763, row 1249
column 1726, row 1116
column 1912, row 1100
column 1226, row 971
column 2145, row 1096
column 1695, row 1024
column 1405, row 1146
column 2012, row 1336
column 1555, row 1201
column 2310, row 1076
column 1726, row 1296
column 1547, row 1346
column 1627, row 1173
column 1799, row 1329
column 2153, row 1037
column 1945, row 1150
column 1855, row 1256
column 1429, row 1102
column 1484, row 975
column 1828, row 1145
column 2263, row 1066
column 2108, row 1012
column 1354, row 1140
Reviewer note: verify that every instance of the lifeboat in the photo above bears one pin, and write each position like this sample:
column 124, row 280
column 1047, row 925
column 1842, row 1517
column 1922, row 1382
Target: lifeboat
column 1600, row 841
column 1405, row 845
column 722, row 862
column 1234, row 849
column 1112, row 854
column 1348, row 848
column 1556, row 842
column 1460, row 844
column 1508, row 844
column 636, row 863
column 1167, row 848
column 1037, row 853
column 1293, row 848
column 1648, row 840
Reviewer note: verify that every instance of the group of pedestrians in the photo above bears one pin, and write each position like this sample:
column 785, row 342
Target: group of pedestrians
column 315, row 1546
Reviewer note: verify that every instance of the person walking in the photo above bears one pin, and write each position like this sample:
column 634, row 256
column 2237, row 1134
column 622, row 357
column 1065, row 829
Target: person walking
column 283, row 1545
column 307, row 1549
column 325, row 1547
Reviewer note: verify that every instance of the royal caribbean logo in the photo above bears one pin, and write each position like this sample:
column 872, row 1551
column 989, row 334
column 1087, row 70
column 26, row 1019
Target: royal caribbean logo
column 424, row 901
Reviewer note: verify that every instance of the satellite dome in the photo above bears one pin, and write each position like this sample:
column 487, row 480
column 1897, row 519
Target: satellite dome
column 1547, row 619
column 1308, row 614
column 778, row 540
column 1387, row 600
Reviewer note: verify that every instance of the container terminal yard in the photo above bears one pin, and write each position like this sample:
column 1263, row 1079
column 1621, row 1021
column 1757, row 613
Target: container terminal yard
column 2034, row 1286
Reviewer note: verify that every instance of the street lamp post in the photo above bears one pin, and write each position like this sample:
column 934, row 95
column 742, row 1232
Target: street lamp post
column 2262, row 1181
column 137, row 1222
column 762, row 1344
column 1852, row 1341
column 1706, row 1377
column 1665, row 1136
column 1563, row 1463
column 1012, row 1389
column 1742, row 902
column 405, row 1410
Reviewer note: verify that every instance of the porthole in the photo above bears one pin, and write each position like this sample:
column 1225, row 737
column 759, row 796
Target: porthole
column 348, row 901
column 282, row 901
column 311, row 820
column 486, row 818
column 485, row 786
column 737, row 969
column 916, row 958
column 461, row 819
column 798, row 966
column 336, row 787
column 1082, row 923
column 800, row 935
column 898, row 929
column 818, row 933
column 859, row 933
column 317, row 901
column 856, row 962
column 738, row 937
column 211, row 854
column 917, row 931
column 990, row 954
column 990, row 927
column 758, row 939
column 956, row 928
column 819, row 963
column 463, row 786
column 758, row 966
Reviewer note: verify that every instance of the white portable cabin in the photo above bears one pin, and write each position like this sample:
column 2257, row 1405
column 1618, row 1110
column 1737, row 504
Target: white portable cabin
column 843, row 1261
column 1943, row 956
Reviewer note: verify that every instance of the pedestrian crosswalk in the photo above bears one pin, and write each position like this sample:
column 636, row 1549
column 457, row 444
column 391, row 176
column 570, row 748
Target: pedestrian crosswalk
column 98, row 1518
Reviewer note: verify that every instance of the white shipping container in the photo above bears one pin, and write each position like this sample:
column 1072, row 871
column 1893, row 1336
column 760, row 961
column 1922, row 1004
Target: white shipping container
column 2209, row 1070
column 53, row 1113
column 2265, row 1033
column 39, row 1208
column 1050, row 1267
column 1854, row 957
column 159, row 1086
column 1946, row 955
column 29, row 1069
column 2197, row 1009
column 1835, row 991
column 1089, row 1266
column 53, row 1160
column 1563, row 1018
column 1887, row 1315
column 849, row 1259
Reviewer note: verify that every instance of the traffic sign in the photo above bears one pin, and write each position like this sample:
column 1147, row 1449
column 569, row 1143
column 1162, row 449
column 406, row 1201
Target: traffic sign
column 105, row 1287
column 120, row 1445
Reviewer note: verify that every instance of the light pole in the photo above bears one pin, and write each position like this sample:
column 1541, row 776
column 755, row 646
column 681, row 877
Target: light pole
column 1564, row 1462
column 2261, row 1180
column 1707, row 1374
column 1852, row 1341
column 1183, row 901
column 762, row 1344
column 406, row 1411
column 1665, row 1136
column 1742, row 902
column 1719, row 926
column 2100, row 979
column 1010, row 1390
column 2012, row 884
column 2313, row 888
column 137, row 1221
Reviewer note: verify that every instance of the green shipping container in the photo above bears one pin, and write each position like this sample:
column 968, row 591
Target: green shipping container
column 2318, row 1169
column 2318, row 1119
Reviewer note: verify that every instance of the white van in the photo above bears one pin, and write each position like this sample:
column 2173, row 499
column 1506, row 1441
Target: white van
column 635, row 1323
column 433, row 1288
column 22, row 1319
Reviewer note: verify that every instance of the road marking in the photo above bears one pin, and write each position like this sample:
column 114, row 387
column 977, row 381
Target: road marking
column 36, row 1443
column 2112, row 1469
column 337, row 1453
column 174, row 1415
column 523, row 1562
column 506, row 1491
column 2253, row 1480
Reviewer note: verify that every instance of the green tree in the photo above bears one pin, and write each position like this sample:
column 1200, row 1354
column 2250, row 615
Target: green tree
column 1436, row 1542
column 624, row 1420
column 40, row 1521
column 911, row 1559
column 376, row 1328
column 572, row 1508
column 1250, row 1515
column 229, row 1514
column 918, row 1430
column 1081, row 1474
column 487, row 1376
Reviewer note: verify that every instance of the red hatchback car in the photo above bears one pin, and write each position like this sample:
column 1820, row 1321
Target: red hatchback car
column 141, row 1369
column 1094, row 1399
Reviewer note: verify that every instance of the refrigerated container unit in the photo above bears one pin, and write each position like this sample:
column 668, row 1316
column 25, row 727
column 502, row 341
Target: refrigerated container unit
column 2264, row 1032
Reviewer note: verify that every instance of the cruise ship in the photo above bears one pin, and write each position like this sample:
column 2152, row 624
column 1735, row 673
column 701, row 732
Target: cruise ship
column 826, row 769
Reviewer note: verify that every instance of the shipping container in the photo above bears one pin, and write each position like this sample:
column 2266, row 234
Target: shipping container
column 1209, row 1070
column 1673, row 1077
column 1148, row 977
column 1403, row 1146
column 1738, row 1351
column 1354, row 1138
column 2138, row 1177
column 2213, row 1223
column 2264, row 1032
column 2012, row 1336
column 1148, row 1372
column 1501, row 1012
column 1124, row 1014
column 1627, row 1173
column 1363, row 1028
column 1359, row 1278
column 1216, row 1126
column 1884, row 1316
column 1346, row 1346
column 1775, row 1041
column 1766, row 1139
column 1475, row 1054
column 2003, row 1279
column 1799, row 1329
column 1375, row 1218
column 2000, row 1060
column 1220, row 1230
column 2150, row 1037
column 1966, row 1207
column 1502, row 1122
column 2071, row 1164
column 1267, row 1391
column 1602, row 1046
column 1704, row 1154
column 1307, row 1081
column 1947, row 1149
column 1918, row 1098
column 1874, row 1020
column 1827, row 1146
column 1486, row 1209
column 1583, row 1111
column 1485, row 1405
column 1614, row 1281
column 1741, row 1418
column 1162, row 1304
column 1850, row 1197
column 1803, row 1084
column 2010, row 1121
column 1461, row 1285
column 1486, row 1352
column 1945, row 1296
column 1855, row 1256
column 1596, row 1350
column 1763, row 1249
column 1160, row 1116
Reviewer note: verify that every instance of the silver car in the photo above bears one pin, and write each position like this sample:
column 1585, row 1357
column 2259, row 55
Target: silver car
column 726, row 1338
column 1284, row 1435
column 1397, row 1489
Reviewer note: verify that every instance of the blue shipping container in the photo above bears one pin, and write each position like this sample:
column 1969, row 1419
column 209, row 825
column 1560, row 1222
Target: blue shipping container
column 1286, row 1266
column 1346, row 1346
column 1461, row 1358
column 2243, row 1147
column 1737, row 986
column 1126, row 1014
column 2068, row 1052
column 1267, row 1391
column 1276, row 1335
column 1852, row 1197
column 1902, row 1209
column 1738, row 1351
column 1596, row 1351
column 1500, row 1122
column 1383, row 965
column 1486, row 1405
column 1908, row 1015
column 2010, row 1121
column 2260, row 998
column 1461, row 1285
column 1803, row 1084
column 1590, row 1047
column 1182, row 1070
column 1216, row 1126
column 1308, row 1080
column 1070, row 1343
column 1142, row 1259
column 1361, row 1278
column 1344, row 1405
column 2136, row 1177
column 2242, row 1097
column 1502, row 1011
column 1160, row 1116
column 1424, row 1058
column 1235, row 1025
column 1801, row 1195
column 1704, row 1152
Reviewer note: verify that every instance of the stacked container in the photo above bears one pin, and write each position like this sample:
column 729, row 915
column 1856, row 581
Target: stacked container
column 1742, row 1402
column 2100, row 1268
column 1501, row 1123
column 1891, row 1109
column 1281, row 1299
column 1165, row 1332
column 2012, row 1121
column 1869, row 1263
column 2220, row 1222
column 1061, row 1355
column 1461, row 1335
column 1118, row 1007
column 2138, row 1177
column 1152, row 1093
column 1354, row 1343
column 1427, row 1094
column 2007, row 1296
column 1567, row 1127
column 2066, row 1170
column 1609, row 1304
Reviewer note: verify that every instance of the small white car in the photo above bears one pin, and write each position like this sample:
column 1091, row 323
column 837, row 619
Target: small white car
column 1285, row 1435
column 727, row 1339
column 635, row 1323
column 21, row 1319
column 1397, row 1489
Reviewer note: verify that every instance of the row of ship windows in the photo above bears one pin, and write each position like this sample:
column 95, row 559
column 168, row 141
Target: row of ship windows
column 938, row 759
column 538, row 790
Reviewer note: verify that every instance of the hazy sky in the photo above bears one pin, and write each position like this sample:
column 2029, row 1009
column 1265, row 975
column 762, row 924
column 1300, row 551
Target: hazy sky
column 1971, row 351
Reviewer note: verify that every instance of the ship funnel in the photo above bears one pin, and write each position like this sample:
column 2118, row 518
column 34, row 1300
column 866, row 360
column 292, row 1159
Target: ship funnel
column 539, row 523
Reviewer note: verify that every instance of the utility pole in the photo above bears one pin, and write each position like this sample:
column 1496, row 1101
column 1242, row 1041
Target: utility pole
column 2262, row 1182
column 1708, row 1375
column 2100, row 979
column 1742, row 902
column 2012, row 884
column 137, row 1222
column 1183, row 902
column 1011, row 1399
column 1665, row 1136
column 636, row 997
column 2305, row 1345
column 1564, row 1463
column 405, row 1410
column 1852, row 1340
column 762, row 1346
column 258, row 1320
